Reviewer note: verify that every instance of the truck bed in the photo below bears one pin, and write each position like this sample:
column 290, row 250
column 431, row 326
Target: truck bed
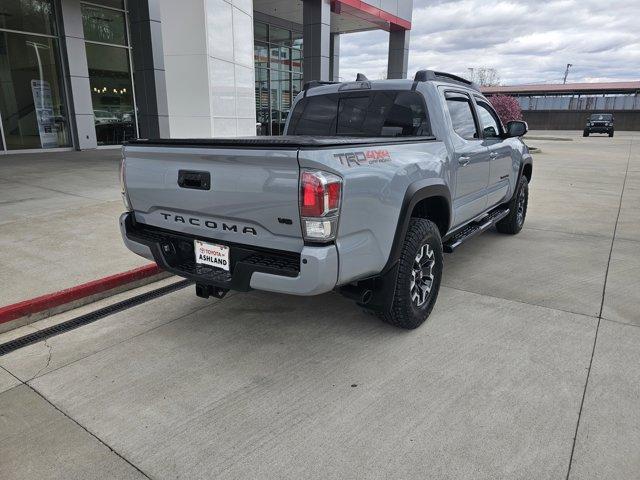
column 280, row 142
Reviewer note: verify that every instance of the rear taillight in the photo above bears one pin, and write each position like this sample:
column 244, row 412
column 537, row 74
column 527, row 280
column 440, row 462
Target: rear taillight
column 320, row 194
column 123, row 185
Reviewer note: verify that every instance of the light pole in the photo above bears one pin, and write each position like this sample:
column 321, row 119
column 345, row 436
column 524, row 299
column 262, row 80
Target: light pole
column 37, row 46
column 566, row 73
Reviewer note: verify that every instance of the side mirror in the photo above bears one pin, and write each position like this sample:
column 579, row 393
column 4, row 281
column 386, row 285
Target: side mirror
column 516, row 128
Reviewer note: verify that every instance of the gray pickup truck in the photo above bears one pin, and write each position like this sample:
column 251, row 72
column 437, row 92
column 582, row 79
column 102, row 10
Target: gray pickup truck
column 371, row 183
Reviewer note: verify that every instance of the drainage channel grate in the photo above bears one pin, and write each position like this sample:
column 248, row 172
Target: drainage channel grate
column 87, row 318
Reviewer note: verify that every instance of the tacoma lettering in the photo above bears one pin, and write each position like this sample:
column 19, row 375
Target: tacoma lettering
column 210, row 224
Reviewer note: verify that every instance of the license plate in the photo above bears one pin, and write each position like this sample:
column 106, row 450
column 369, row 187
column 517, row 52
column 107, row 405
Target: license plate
column 212, row 254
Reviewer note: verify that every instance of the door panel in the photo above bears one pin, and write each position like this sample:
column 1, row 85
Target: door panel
column 499, row 172
column 499, row 153
column 470, row 160
column 472, row 170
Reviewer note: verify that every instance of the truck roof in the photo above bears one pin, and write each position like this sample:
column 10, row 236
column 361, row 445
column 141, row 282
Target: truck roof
column 362, row 82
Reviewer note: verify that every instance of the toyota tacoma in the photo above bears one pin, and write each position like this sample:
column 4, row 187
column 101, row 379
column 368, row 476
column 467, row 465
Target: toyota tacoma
column 370, row 184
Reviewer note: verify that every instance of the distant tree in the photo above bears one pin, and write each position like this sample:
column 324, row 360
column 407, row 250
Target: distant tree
column 507, row 107
column 484, row 76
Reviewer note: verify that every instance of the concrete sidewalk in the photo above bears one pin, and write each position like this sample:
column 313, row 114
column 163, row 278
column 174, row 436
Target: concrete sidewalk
column 59, row 222
column 528, row 368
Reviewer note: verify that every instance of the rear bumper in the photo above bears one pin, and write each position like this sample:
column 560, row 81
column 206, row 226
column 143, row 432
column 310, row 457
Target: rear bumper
column 312, row 272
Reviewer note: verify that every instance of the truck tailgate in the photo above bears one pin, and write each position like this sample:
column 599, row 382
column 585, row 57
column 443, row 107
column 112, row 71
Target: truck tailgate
column 250, row 197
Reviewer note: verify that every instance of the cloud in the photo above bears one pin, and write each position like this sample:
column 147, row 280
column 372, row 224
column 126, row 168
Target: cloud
column 527, row 41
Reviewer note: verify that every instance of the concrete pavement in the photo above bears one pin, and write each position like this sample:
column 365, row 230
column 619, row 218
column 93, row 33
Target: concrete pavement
column 528, row 368
column 55, row 209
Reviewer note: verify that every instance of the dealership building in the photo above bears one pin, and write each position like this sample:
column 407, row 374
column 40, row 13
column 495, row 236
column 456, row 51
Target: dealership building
column 84, row 74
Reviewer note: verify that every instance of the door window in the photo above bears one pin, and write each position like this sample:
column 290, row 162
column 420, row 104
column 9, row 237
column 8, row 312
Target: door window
column 488, row 120
column 461, row 113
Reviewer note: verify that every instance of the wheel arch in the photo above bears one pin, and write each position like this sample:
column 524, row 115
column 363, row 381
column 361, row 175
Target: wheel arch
column 526, row 167
column 429, row 199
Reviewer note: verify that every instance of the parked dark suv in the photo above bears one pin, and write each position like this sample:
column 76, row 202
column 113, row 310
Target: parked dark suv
column 599, row 123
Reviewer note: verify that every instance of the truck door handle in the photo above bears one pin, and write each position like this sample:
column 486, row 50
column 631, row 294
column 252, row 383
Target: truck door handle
column 464, row 161
column 194, row 179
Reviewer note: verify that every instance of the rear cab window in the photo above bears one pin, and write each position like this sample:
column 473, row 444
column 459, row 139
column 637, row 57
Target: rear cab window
column 393, row 113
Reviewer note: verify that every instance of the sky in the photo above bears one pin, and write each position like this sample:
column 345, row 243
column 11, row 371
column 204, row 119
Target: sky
column 528, row 41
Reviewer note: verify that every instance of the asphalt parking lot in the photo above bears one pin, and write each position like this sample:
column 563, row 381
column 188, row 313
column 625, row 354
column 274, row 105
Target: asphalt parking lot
column 529, row 366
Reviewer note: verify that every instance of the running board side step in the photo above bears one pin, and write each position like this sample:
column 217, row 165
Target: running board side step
column 473, row 229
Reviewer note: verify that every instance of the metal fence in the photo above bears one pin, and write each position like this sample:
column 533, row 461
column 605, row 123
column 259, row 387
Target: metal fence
column 580, row 102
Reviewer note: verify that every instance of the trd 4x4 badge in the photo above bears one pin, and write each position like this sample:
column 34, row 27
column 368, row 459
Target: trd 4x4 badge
column 368, row 157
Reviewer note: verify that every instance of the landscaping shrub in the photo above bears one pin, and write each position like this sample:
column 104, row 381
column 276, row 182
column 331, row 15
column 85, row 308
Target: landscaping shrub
column 507, row 107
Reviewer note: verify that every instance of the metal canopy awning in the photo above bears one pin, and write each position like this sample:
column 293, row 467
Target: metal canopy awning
column 347, row 16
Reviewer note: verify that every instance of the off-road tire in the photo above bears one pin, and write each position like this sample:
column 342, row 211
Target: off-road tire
column 512, row 223
column 611, row 133
column 404, row 312
column 585, row 134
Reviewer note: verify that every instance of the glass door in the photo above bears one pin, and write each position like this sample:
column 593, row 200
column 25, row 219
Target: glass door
column 278, row 62
column 109, row 61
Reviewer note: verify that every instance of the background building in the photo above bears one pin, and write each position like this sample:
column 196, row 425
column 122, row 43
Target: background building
column 81, row 74
column 567, row 106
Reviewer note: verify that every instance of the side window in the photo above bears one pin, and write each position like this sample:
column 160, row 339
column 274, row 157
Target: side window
column 461, row 112
column 488, row 120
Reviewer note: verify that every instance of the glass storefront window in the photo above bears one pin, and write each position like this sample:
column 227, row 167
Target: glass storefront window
column 111, row 93
column 103, row 25
column 296, row 40
column 109, row 62
column 278, row 75
column 261, row 55
column 262, row 100
column 119, row 4
column 275, row 92
column 296, row 85
column 34, row 16
column 279, row 36
column 260, row 32
column 32, row 104
column 296, row 60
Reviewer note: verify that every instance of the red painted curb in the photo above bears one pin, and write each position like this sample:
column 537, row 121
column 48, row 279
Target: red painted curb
column 51, row 300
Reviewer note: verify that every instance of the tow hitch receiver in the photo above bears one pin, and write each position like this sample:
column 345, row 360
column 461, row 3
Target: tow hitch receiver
column 206, row 291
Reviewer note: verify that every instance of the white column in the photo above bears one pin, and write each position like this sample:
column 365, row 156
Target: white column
column 208, row 48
